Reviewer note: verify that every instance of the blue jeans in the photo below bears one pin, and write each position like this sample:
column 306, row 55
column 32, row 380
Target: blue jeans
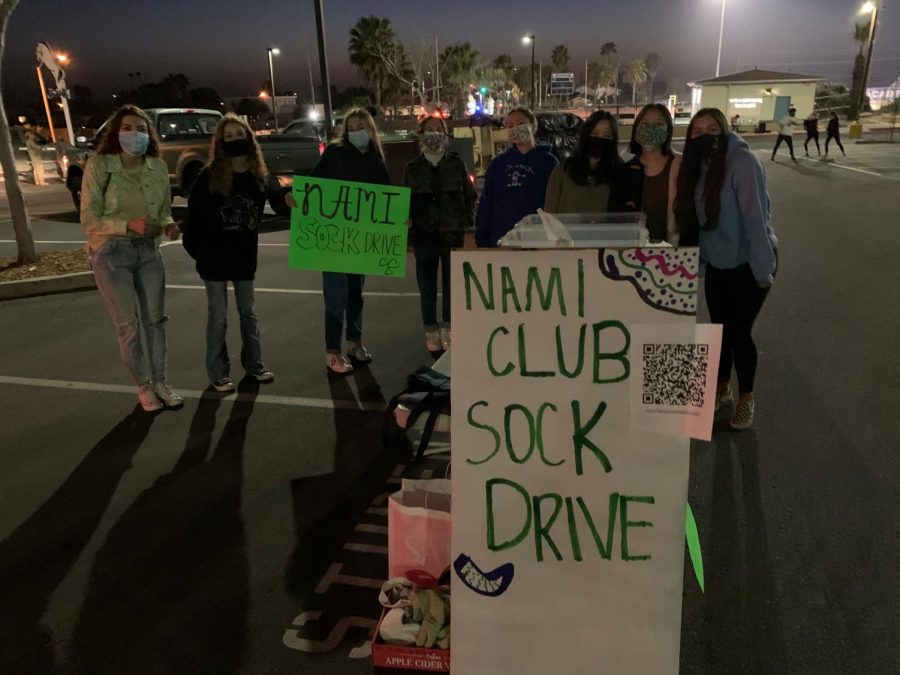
column 343, row 300
column 131, row 279
column 429, row 255
column 217, row 362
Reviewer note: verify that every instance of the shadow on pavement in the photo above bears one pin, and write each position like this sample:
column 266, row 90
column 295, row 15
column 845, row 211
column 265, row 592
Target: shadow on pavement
column 326, row 507
column 168, row 592
column 36, row 558
column 742, row 623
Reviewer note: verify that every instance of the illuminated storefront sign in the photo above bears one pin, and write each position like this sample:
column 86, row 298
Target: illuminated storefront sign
column 745, row 102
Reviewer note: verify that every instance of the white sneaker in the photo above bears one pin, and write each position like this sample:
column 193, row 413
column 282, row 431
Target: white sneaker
column 224, row 385
column 433, row 341
column 445, row 337
column 355, row 350
column 338, row 363
column 723, row 399
column 148, row 399
column 169, row 398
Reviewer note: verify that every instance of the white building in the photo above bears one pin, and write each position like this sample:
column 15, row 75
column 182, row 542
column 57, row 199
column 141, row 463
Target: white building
column 756, row 95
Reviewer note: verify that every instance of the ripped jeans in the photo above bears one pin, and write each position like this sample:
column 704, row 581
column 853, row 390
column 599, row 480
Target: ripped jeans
column 131, row 279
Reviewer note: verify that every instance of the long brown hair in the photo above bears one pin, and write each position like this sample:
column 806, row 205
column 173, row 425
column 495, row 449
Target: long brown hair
column 689, row 175
column 109, row 141
column 368, row 123
column 220, row 171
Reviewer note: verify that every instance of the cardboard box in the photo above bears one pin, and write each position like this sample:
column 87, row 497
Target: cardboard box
column 387, row 658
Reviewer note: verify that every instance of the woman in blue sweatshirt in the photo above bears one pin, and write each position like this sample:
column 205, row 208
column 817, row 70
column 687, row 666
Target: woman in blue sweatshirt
column 722, row 199
column 515, row 183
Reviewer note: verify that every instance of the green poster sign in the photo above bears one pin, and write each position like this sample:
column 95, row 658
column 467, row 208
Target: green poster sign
column 341, row 226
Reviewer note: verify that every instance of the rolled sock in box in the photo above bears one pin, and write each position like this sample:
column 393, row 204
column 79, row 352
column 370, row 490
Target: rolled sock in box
column 395, row 632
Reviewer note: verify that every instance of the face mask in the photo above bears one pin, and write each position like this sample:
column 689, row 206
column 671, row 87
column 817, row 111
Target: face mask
column 600, row 147
column 360, row 139
column 707, row 144
column 135, row 143
column 521, row 134
column 650, row 137
column 239, row 147
column 434, row 141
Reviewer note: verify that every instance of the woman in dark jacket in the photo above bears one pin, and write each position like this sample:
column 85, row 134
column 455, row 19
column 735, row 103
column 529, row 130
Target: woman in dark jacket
column 834, row 132
column 222, row 231
column 442, row 208
column 355, row 156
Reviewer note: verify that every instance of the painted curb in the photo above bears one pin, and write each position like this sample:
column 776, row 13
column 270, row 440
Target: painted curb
column 64, row 283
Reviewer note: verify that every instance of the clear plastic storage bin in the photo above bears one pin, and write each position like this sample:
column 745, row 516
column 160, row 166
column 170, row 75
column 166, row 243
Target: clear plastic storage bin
column 578, row 230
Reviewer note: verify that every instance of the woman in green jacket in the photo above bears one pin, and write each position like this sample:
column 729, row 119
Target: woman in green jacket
column 126, row 206
column 442, row 208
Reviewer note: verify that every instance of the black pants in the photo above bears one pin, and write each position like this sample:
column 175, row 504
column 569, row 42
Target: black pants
column 812, row 137
column 837, row 139
column 786, row 139
column 432, row 253
column 734, row 300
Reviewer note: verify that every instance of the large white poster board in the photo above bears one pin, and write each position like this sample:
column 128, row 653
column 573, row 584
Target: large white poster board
column 568, row 524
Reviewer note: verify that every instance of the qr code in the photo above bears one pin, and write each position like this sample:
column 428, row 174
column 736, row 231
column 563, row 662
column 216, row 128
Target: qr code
column 675, row 374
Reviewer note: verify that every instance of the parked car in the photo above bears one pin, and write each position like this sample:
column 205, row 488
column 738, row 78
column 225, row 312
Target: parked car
column 185, row 136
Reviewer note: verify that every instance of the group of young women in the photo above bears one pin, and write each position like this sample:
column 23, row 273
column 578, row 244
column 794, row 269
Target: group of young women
column 714, row 196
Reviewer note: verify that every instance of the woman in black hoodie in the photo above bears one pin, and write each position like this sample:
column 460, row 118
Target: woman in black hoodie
column 222, row 232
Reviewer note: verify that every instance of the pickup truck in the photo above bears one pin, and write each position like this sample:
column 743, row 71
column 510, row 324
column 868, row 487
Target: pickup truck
column 185, row 135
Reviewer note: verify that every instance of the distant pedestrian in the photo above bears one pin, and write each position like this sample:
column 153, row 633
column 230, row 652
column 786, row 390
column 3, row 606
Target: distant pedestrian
column 834, row 132
column 583, row 183
column 722, row 195
column 735, row 121
column 356, row 155
column 811, row 124
column 442, row 209
column 515, row 184
column 785, row 130
column 34, row 144
column 126, row 206
column 222, row 233
column 648, row 180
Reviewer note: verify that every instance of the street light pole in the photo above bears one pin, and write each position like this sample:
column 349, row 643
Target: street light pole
column 721, row 32
column 276, row 51
column 323, row 68
column 526, row 40
column 873, row 7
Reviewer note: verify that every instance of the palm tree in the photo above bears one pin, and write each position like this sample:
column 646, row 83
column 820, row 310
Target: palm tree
column 371, row 34
column 607, row 79
column 609, row 50
column 560, row 58
column 861, row 37
column 652, row 61
column 458, row 65
column 635, row 74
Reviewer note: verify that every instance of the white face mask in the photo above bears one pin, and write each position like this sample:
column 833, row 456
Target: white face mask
column 521, row 134
column 359, row 138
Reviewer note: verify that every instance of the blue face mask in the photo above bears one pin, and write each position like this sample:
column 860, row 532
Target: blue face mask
column 135, row 143
column 360, row 139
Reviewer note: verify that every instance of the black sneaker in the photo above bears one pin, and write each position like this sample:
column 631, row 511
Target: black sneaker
column 224, row 385
column 262, row 375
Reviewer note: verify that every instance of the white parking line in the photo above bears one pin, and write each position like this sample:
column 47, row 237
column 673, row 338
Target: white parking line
column 302, row 291
column 13, row 241
column 841, row 166
column 295, row 401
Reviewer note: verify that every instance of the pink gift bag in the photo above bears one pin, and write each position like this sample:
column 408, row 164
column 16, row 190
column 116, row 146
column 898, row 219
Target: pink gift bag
column 419, row 527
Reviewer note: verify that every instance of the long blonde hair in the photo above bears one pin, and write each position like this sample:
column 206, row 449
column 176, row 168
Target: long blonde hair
column 220, row 171
column 369, row 125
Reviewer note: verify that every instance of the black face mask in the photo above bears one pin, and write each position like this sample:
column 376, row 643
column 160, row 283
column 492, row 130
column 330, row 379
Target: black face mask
column 600, row 147
column 707, row 144
column 237, row 148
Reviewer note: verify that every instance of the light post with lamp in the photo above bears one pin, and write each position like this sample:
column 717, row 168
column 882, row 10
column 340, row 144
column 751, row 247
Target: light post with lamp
column 526, row 40
column 721, row 32
column 871, row 8
column 276, row 52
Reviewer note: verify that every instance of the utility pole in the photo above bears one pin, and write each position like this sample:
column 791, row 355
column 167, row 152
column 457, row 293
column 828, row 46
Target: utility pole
column 437, row 77
column 312, row 86
column 323, row 66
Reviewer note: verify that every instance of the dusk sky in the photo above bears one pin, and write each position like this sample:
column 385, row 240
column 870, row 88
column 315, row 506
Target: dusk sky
column 223, row 44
